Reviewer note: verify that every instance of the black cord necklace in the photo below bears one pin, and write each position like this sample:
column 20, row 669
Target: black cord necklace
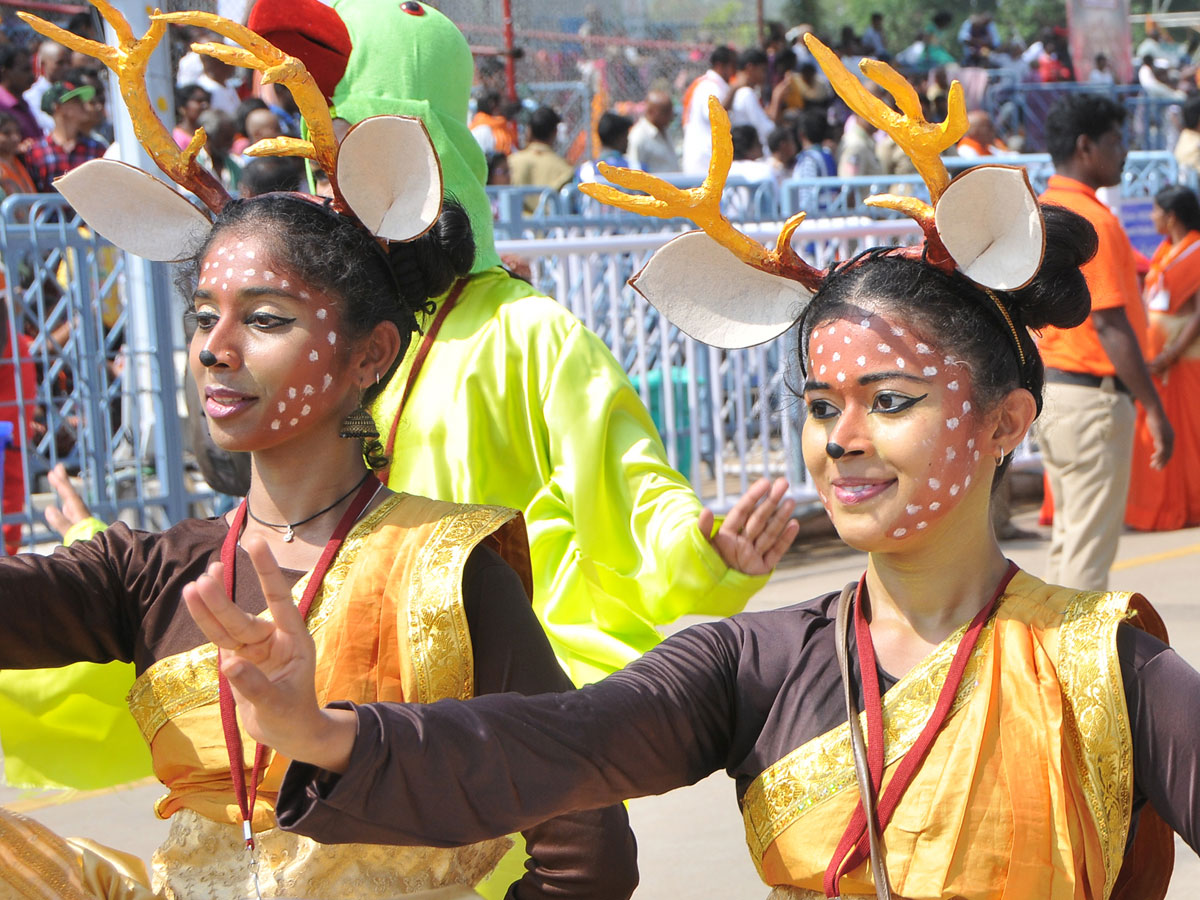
column 289, row 528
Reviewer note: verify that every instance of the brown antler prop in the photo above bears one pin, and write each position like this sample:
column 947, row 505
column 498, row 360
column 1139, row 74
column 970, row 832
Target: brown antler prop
column 128, row 60
column 277, row 68
column 702, row 205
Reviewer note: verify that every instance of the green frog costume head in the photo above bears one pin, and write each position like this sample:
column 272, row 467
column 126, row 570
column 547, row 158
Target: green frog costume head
column 383, row 57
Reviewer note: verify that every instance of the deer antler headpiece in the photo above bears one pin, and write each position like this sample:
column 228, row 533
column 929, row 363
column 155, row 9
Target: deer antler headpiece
column 384, row 173
column 725, row 289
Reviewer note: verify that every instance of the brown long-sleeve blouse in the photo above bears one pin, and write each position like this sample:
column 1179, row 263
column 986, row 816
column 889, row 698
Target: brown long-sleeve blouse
column 737, row 694
column 118, row 596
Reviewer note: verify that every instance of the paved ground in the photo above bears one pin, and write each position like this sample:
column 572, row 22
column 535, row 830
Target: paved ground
column 691, row 841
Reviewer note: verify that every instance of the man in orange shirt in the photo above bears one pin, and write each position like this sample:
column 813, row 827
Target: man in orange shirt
column 1096, row 371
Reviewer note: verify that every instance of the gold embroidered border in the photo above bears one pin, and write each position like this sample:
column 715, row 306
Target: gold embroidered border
column 185, row 681
column 437, row 623
column 824, row 766
column 34, row 865
column 1098, row 731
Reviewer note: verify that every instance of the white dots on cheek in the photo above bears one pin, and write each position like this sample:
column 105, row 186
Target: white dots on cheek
column 970, row 443
column 935, row 485
column 954, row 490
column 281, row 406
column 841, row 376
column 831, row 330
column 846, row 339
column 221, row 251
column 934, row 506
column 314, row 356
column 951, row 453
column 241, row 244
column 249, row 254
column 275, row 425
column 921, row 525
column 283, row 284
column 294, row 422
column 865, row 323
column 912, row 509
column 923, row 349
column 270, row 276
column 966, row 407
column 328, row 381
column 224, row 285
column 229, row 272
column 900, row 362
column 291, row 393
column 862, row 360
column 304, row 295
column 836, row 356
column 929, row 371
column 820, row 348
column 332, row 338
column 308, row 390
column 976, row 456
column 897, row 331
column 967, row 482
column 305, row 410
column 883, row 348
column 249, row 273
column 821, row 371
column 900, row 532
column 952, row 423
column 321, row 313
column 952, row 386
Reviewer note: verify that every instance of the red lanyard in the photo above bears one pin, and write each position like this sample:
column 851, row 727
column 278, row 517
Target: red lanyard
column 854, row 846
column 233, row 737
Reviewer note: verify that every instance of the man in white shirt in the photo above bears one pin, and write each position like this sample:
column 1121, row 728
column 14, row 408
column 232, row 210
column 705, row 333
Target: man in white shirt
column 52, row 60
column 872, row 39
column 746, row 107
column 697, row 130
column 649, row 147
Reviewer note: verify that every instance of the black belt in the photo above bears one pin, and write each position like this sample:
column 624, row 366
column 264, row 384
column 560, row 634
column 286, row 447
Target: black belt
column 1084, row 379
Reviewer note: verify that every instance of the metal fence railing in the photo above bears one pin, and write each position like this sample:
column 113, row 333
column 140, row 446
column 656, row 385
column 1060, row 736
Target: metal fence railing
column 107, row 366
column 106, row 399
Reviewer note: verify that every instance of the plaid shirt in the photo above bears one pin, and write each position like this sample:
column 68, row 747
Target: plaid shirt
column 46, row 159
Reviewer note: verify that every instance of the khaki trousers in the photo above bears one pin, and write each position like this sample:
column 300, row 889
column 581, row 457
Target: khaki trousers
column 1086, row 439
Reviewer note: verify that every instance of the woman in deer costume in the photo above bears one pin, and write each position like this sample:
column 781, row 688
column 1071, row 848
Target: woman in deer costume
column 1022, row 740
column 303, row 309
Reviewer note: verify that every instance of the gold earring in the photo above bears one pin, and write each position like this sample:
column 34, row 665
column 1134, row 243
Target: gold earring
column 359, row 424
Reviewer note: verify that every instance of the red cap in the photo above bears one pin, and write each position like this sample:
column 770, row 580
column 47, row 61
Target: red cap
column 310, row 31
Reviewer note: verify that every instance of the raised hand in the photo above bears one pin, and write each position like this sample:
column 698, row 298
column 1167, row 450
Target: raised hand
column 271, row 664
column 71, row 509
column 757, row 531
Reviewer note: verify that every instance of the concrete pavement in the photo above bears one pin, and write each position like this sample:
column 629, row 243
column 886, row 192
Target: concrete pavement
column 691, row 841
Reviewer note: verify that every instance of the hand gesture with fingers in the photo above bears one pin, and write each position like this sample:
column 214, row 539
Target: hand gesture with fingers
column 71, row 510
column 757, row 531
column 271, row 664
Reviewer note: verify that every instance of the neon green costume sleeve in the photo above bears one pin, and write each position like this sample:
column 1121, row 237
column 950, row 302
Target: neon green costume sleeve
column 519, row 404
column 70, row 727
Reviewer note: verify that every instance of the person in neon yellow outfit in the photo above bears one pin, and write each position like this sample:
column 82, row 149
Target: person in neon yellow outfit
column 517, row 404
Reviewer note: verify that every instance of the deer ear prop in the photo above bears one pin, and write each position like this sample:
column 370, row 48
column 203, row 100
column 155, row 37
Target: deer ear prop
column 714, row 297
column 390, row 176
column 134, row 210
column 989, row 221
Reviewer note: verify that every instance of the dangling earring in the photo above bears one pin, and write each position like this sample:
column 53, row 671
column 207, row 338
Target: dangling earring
column 359, row 424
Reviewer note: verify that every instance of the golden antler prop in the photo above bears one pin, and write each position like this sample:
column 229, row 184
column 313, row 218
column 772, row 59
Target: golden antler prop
column 702, row 205
column 128, row 60
column 277, row 68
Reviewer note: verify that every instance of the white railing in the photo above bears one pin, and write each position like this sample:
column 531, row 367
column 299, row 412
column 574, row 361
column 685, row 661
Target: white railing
column 728, row 416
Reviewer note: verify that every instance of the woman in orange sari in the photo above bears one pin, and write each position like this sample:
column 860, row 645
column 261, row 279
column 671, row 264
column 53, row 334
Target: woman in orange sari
column 1169, row 498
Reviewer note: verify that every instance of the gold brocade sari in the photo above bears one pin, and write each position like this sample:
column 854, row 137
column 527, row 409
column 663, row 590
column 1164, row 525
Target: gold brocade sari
column 389, row 625
column 1027, row 790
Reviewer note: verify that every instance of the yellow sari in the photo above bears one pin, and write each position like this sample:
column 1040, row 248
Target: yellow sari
column 1042, row 695
column 389, row 625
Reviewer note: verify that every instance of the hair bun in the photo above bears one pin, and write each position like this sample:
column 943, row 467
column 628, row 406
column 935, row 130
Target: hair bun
column 1058, row 294
column 427, row 266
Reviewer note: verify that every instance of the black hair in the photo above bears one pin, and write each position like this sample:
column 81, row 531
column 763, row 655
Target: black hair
column 247, row 106
column 270, row 175
column 81, row 23
column 612, row 127
column 543, row 124
column 488, row 103
column 744, row 137
column 1078, row 114
column 184, row 92
column 785, row 59
column 9, row 53
column 958, row 317
column 1191, row 112
column 752, row 57
column 1180, row 200
column 336, row 255
column 942, row 18
column 722, row 56
column 778, row 135
column 813, row 125
column 6, row 119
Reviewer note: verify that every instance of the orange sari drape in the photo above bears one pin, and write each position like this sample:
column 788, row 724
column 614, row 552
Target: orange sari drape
column 1162, row 500
column 1026, row 792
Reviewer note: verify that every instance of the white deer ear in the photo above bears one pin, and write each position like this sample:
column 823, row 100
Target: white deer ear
column 389, row 174
column 714, row 297
column 990, row 223
column 134, row 210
